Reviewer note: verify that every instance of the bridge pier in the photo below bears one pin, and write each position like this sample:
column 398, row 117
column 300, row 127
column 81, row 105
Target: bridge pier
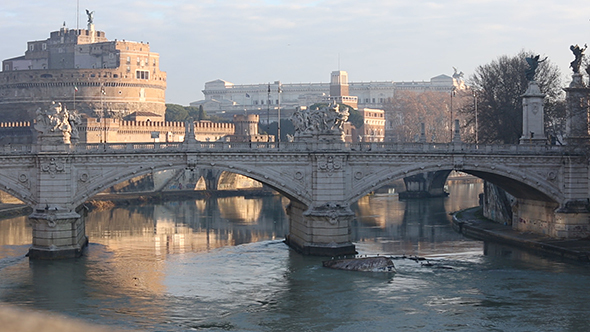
column 57, row 234
column 428, row 184
column 321, row 231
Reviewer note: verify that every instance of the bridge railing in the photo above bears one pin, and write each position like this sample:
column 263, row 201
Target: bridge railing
column 456, row 148
column 302, row 147
column 16, row 149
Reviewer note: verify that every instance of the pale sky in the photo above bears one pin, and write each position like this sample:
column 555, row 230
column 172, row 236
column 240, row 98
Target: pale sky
column 258, row 41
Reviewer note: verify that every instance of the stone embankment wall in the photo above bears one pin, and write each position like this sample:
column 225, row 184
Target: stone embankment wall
column 497, row 204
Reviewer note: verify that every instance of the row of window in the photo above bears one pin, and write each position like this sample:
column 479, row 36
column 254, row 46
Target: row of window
column 32, row 47
column 140, row 61
column 142, row 74
column 373, row 100
column 269, row 102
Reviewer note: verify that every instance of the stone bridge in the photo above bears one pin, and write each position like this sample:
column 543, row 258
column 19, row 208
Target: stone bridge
column 322, row 180
column 317, row 171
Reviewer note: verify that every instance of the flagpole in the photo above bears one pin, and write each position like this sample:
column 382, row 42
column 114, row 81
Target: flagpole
column 279, row 114
column 77, row 15
column 268, row 110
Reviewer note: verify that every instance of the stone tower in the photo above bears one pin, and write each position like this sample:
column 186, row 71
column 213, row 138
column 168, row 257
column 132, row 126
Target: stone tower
column 339, row 89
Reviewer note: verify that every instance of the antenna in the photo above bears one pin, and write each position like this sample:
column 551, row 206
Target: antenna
column 77, row 14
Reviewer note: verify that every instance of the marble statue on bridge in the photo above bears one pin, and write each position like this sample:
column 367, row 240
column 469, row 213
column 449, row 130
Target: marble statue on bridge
column 579, row 55
column 327, row 120
column 56, row 125
column 533, row 62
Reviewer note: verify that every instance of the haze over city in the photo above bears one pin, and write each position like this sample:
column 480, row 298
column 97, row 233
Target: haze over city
column 264, row 41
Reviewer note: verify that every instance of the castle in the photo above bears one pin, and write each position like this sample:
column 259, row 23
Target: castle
column 85, row 71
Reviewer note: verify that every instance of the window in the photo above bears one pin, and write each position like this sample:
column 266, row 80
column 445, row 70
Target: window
column 128, row 59
column 43, row 46
column 142, row 75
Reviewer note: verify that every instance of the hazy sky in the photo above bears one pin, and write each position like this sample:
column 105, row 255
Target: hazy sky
column 257, row 41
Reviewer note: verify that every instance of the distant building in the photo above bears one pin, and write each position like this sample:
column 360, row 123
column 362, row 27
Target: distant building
column 373, row 128
column 339, row 92
column 85, row 71
column 223, row 98
column 144, row 127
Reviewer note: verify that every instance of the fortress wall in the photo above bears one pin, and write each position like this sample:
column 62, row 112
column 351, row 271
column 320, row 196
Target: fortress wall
column 23, row 92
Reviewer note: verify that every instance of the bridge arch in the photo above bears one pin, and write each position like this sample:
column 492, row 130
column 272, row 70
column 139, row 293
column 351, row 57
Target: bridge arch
column 19, row 185
column 513, row 180
column 293, row 191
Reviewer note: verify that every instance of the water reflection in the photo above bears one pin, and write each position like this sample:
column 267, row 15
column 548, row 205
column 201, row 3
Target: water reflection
column 384, row 224
column 221, row 265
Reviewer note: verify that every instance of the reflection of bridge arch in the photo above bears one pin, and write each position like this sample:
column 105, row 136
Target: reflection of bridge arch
column 121, row 174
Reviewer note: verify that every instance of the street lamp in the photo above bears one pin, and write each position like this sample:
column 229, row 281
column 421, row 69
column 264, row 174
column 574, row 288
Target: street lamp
column 268, row 110
column 104, row 123
column 476, row 123
column 279, row 90
column 452, row 95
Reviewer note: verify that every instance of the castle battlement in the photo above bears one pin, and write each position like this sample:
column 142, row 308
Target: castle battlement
column 21, row 124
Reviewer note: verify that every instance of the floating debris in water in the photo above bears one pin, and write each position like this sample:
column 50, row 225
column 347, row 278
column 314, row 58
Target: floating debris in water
column 367, row 264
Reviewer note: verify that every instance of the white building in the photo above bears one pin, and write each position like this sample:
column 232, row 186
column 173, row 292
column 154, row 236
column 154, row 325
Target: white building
column 223, row 98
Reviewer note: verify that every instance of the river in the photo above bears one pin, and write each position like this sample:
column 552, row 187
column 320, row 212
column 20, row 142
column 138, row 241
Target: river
column 220, row 265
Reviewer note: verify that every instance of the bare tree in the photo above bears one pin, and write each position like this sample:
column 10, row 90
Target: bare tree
column 498, row 87
column 408, row 109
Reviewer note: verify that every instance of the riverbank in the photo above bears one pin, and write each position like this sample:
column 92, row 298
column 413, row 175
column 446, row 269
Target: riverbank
column 471, row 223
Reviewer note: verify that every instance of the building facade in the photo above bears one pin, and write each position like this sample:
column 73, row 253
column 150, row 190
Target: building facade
column 373, row 128
column 85, row 71
column 223, row 98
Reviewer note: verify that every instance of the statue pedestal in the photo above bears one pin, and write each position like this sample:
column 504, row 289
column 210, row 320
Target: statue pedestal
column 577, row 97
column 58, row 142
column 533, row 124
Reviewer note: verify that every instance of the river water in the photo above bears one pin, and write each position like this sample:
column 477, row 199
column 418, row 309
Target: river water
column 221, row 265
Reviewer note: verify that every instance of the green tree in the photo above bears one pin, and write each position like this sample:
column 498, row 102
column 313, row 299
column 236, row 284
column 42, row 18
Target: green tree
column 176, row 112
column 499, row 86
column 287, row 128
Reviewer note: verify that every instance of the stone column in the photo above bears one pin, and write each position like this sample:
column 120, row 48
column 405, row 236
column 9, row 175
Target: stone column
column 533, row 125
column 58, row 230
column 57, row 234
column 577, row 111
column 322, row 230
column 428, row 184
